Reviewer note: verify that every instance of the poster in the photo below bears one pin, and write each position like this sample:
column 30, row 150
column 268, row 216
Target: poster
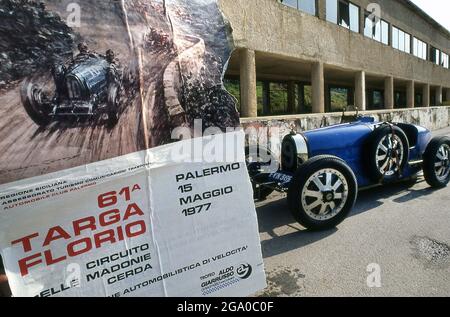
column 139, row 225
column 94, row 198
column 85, row 81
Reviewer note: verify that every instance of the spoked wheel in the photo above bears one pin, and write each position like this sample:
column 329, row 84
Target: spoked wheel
column 387, row 153
column 436, row 166
column 35, row 104
column 390, row 152
column 322, row 193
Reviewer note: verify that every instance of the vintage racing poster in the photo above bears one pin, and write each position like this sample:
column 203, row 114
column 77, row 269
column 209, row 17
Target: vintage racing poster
column 92, row 202
column 139, row 225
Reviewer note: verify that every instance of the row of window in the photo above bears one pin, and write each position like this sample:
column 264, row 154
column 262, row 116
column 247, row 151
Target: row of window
column 346, row 14
column 273, row 98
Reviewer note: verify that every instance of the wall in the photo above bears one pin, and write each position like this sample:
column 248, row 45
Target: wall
column 268, row 26
column 433, row 118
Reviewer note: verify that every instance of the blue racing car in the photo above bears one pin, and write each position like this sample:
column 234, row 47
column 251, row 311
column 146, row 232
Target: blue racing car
column 322, row 170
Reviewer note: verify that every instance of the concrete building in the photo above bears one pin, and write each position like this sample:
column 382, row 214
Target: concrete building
column 296, row 57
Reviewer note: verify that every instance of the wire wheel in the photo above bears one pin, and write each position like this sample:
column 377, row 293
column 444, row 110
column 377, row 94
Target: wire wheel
column 389, row 154
column 442, row 163
column 325, row 194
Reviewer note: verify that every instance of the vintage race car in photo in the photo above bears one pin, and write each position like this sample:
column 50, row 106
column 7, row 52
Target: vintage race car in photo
column 322, row 170
column 87, row 86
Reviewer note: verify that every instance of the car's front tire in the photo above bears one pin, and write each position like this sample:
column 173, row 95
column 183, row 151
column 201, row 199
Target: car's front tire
column 322, row 192
column 436, row 162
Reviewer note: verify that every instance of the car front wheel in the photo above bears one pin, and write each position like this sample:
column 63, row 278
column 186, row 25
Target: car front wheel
column 436, row 165
column 322, row 193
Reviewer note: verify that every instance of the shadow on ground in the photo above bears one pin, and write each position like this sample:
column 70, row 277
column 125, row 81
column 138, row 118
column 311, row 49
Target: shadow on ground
column 274, row 214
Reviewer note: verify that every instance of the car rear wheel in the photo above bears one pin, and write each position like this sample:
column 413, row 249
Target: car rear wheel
column 387, row 153
column 322, row 193
column 436, row 165
column 34, row 103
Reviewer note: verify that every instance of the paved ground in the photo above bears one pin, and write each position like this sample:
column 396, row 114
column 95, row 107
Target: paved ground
column 404, row 229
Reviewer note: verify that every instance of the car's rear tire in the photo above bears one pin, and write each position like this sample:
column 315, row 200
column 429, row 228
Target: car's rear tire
column 386, row 153
column 32, row 101
column 322, row 192
column 436, row 163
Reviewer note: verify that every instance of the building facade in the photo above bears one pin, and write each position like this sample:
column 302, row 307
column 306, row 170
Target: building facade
column 298, row 57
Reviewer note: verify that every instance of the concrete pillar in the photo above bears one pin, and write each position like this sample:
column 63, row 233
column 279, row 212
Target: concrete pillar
column 389, row 93
column 439, row 95
column 292, row 107
column 426, row 95
column 410, row 95
column 249, row 103
column 318, row 88
column 360, row 90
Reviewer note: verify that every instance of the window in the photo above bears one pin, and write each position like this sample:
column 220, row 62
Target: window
column 344, row 13
column 332, row 11
column 376, row 29
column 420, row 49
column 445, row 62
column 384, row 32
column 376, row 99
column 233, row 87
column 435, row 56
column 339, row 97
column 395, row 37
column 401, row 40
column 354, row 18
column 308, row 6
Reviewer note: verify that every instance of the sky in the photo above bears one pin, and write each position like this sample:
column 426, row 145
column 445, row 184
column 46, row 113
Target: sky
column 437, row 9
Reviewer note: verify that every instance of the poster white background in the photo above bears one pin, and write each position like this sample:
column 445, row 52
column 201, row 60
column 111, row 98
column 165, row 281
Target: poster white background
column 185, row 250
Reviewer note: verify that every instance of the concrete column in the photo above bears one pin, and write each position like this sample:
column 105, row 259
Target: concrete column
column 318, row 90
column 389, row 93
column 410, row 95
column 426, row 95
column 360, row 90
column 249, row 103
column 439, row 95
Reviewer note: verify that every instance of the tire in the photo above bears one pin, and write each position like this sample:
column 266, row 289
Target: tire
column 255, row 168
column 304, row 194
column 385, row 146
column 32, row 96
column 113, row 105
column 436, row 164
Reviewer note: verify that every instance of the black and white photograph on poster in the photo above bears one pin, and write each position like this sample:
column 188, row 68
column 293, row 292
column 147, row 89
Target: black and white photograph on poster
column 90, row 93
column 85, row 81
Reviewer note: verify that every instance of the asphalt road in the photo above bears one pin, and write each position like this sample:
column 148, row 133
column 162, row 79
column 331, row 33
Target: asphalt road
column 401, row 231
